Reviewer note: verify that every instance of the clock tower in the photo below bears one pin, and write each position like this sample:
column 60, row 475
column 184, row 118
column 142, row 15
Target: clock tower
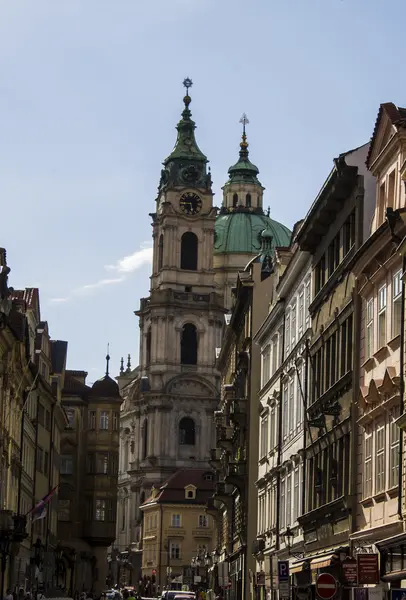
column 180, row 322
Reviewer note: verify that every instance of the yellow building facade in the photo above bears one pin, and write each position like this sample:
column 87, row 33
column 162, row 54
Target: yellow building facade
column 177, row 531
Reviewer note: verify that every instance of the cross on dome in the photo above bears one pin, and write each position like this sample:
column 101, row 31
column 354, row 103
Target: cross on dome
column 245, row 121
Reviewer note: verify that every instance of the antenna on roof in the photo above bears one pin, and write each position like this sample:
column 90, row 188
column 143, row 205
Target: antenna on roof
column 107, row 360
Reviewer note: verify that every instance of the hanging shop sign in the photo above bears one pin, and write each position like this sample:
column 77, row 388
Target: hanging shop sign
column 368, row 568
column 350, row 572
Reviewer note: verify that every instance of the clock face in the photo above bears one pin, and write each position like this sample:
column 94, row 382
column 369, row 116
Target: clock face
column 190, row 203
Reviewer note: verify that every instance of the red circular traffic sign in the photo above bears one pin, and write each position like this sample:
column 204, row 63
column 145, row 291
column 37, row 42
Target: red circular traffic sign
column 326, row 586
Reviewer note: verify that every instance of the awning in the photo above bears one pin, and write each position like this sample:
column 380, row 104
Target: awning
column 322, row 561
column 299, row 566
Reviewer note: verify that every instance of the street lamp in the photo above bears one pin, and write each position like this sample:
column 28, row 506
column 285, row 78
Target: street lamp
column 12, row 530
column 289, row 536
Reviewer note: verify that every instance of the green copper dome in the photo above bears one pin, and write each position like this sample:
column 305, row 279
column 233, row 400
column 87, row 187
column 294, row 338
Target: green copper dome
column 241, row 232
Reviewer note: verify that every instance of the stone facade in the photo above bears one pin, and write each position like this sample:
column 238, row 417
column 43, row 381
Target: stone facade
column 167, row 420
column 283, row 339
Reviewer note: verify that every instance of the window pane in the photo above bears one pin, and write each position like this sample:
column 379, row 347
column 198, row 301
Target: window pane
column 382, row 298
column 104, row 420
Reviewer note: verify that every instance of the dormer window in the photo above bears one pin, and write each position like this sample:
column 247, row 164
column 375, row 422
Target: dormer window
column 208, row 477
column 190, row 492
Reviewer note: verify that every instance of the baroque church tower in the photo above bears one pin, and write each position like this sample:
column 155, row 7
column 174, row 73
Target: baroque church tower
column 180, row 322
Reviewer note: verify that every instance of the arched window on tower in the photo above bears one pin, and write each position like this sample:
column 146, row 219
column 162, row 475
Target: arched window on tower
column 148, row 347
column 248, row 200
column 145, row 439
column 188, row 251
column 188, row 345
column 160, row 252
column 187, row 434
column 235, row 200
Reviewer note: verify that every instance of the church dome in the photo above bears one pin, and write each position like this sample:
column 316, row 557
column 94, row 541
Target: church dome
column 105, row 387
column 241, row 232
column 242, row 226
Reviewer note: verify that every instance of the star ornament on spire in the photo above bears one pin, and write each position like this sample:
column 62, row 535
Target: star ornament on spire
column 187, row 83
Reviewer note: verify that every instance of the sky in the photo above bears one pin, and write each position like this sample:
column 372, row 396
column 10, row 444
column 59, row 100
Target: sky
column 90, row 94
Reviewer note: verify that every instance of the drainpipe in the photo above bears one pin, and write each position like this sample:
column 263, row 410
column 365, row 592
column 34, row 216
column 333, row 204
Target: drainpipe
column 356, row 374
column 26, row 397
column 401, row 385
column 34, row 487
column 20, row 473
column 160, row 548
column 245, row 573
column 305, row 402
column 280, row 434
column 50, row 472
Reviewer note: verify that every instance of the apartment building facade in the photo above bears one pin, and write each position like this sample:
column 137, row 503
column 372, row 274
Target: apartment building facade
column 332, row 233
column 379, row 270
column 235, row 457
column 177, row 530
column 283, row 339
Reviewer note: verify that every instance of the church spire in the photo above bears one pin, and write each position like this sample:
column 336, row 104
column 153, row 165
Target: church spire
column 186, row 164
column 243, row 171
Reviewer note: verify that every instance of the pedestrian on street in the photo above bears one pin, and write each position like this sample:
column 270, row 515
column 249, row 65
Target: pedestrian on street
column 9, row 595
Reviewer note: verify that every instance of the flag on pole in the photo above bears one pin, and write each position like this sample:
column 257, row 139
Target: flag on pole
column 40, row 510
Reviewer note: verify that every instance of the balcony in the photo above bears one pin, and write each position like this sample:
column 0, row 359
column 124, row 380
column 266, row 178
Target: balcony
column 99, row 532
column 225, row 437
column 175, row 532
column 215, row 458
column 203, row 533
column 238, row 411
column 173, row 297
column 219, row 418
column 211, row 508
column 236, row 475
column 222, row 494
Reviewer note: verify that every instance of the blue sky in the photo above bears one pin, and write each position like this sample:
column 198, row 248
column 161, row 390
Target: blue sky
column 90, row 93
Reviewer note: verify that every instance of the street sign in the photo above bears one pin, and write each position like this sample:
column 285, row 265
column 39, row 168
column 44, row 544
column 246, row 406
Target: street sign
column 283, row 579
column 283, row 570
column 326, row 586
column 284, row 590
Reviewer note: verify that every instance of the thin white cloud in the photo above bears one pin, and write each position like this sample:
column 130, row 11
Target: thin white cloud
column 132, row 262
column 101, row 283
column 125, row 266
